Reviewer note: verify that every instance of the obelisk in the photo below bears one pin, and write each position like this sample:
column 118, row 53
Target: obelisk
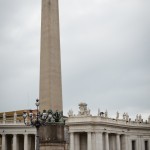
column 50, row 91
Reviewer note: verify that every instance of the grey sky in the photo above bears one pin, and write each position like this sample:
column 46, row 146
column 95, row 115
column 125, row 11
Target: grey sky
column 105, row 50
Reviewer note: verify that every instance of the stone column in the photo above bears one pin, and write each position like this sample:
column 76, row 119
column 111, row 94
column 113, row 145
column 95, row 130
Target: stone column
column 3, row 142
column 149, row 144
column 25, row 141
column 89, row 141
column 125, row 143
column 143, row 143
column 71, row 141
column 139, row 143
column 106, row 141
column 99, row 141
column 118, row 146
column 77, row 141
column 14, row 142
column 93, row 141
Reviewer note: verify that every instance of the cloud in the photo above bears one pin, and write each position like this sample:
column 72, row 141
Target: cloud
column 19, row 53
column 104, row 52
column 107, row 54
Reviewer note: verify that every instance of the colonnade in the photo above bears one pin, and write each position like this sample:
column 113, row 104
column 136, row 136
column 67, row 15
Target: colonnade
column 97, row 141
column 18, row 141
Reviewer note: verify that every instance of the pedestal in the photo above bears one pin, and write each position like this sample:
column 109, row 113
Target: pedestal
column 52, row 137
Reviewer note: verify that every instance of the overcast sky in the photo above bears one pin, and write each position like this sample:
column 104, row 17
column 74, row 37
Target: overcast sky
column 105, row 54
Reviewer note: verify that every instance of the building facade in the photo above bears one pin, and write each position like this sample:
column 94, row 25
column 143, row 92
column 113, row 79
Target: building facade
column 100, row 132
column 14, row 135
column 82, row 132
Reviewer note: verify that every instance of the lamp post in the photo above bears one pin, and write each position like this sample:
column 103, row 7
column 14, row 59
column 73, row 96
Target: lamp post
column 36, row 120
column 41, row 119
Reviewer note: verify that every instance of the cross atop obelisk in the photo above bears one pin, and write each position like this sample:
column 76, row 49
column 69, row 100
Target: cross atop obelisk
column 50, row 63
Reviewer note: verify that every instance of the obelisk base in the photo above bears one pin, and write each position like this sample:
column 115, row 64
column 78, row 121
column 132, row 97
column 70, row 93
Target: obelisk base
column 52, row 137
column 53, row 146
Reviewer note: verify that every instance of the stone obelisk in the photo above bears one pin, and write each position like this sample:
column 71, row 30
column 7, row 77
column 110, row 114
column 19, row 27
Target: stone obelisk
column 50, row 61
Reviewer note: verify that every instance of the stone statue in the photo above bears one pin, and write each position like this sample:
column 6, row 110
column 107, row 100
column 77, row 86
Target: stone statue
column 106, row 114
column 117, row 115
column 57, row 116
column 124, row 116
column 149, row 119
column 140, row 118
column 83, row 111
column 82, row 108
column 127, row 117
column 50, row 115
column 137, row 118
column 98, row 112
column 102, row 114
column 70, row 113
column 88, row 112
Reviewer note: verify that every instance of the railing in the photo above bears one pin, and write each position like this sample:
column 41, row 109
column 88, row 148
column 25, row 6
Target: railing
column 11, row 121
column 99, row 119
